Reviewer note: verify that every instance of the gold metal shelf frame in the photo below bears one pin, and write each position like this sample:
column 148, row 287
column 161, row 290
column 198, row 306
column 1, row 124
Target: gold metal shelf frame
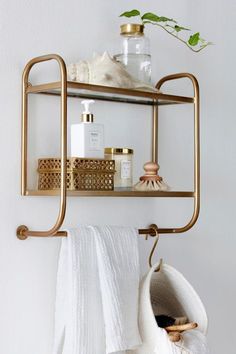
column 65, row 89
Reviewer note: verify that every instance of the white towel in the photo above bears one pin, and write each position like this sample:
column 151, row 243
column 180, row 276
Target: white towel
column 97, row 291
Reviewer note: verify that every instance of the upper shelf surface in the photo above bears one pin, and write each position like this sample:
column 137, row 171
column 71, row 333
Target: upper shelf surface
column 106, row 93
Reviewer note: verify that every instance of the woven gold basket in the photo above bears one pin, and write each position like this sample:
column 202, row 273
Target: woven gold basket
column 82, row 174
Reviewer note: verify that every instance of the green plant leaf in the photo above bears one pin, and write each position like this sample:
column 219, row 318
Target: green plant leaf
column 165, row 19
column 194, row 39
column 154, row 18
column 131, row 13
column 180, row 28
column 150, row 16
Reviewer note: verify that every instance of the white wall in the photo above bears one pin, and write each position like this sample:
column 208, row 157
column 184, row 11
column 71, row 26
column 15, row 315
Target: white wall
column 206, row 254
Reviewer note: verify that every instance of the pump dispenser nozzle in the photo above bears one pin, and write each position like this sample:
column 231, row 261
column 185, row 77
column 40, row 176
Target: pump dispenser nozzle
column 86, row 116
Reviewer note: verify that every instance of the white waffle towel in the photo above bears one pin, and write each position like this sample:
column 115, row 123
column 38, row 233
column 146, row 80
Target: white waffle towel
column 97, row 291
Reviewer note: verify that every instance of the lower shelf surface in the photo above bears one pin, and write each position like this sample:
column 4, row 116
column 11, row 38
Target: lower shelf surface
column 117, row 192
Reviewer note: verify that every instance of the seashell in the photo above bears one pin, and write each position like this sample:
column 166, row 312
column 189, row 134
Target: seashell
column 104, row 70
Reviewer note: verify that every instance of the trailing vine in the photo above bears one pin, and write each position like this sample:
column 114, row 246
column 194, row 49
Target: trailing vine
column 195, row 42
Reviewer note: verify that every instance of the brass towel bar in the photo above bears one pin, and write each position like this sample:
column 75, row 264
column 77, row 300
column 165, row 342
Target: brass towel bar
column 22, row 231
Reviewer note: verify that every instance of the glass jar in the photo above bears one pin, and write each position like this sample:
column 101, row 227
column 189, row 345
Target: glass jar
column 135, row 52
column 123, row 164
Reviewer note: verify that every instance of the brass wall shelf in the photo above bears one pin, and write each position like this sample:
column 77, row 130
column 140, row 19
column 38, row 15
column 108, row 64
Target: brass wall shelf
column 65, row 89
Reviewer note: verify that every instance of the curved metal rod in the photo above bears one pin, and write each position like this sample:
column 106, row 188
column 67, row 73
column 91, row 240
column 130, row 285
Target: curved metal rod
column 153, row 250
column 196, row 151
column 22, row 231
column 157, row 236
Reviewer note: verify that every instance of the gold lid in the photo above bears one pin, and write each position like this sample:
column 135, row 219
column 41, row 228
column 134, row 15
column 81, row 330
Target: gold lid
column 130, row 29
column 87, row 117
column 118, row 151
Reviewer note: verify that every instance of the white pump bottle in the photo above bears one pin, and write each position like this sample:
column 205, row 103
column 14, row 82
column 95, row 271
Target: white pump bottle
column 87, row 137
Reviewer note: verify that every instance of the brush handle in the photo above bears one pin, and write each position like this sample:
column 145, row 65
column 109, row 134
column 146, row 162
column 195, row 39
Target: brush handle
column 151, row 168
column 151, row 172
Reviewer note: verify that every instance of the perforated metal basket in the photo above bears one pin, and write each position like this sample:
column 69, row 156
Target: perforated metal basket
column 82, row 174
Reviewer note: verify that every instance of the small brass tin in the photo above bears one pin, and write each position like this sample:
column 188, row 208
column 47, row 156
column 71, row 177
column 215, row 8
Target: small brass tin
column 82, row 174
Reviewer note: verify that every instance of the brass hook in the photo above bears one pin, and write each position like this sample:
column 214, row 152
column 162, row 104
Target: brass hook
column 156, row 234
column 153, row 250
column 155, row 228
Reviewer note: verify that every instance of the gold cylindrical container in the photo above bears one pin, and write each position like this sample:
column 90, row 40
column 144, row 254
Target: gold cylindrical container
column 123, row 158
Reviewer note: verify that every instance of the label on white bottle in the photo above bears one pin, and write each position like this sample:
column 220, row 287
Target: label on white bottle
column 94, row 140
column 125, row 169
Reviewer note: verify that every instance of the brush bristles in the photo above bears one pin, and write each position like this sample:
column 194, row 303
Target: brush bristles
column 151, row 186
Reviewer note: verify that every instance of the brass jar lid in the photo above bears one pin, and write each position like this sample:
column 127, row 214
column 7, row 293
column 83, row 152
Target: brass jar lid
column 131, row 29
column 118, row 151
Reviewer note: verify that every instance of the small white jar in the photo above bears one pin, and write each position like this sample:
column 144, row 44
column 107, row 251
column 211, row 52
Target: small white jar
column 123, row 164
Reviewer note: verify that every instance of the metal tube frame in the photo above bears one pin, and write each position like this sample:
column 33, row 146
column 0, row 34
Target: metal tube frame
column 196, row 211
column 22, row 231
